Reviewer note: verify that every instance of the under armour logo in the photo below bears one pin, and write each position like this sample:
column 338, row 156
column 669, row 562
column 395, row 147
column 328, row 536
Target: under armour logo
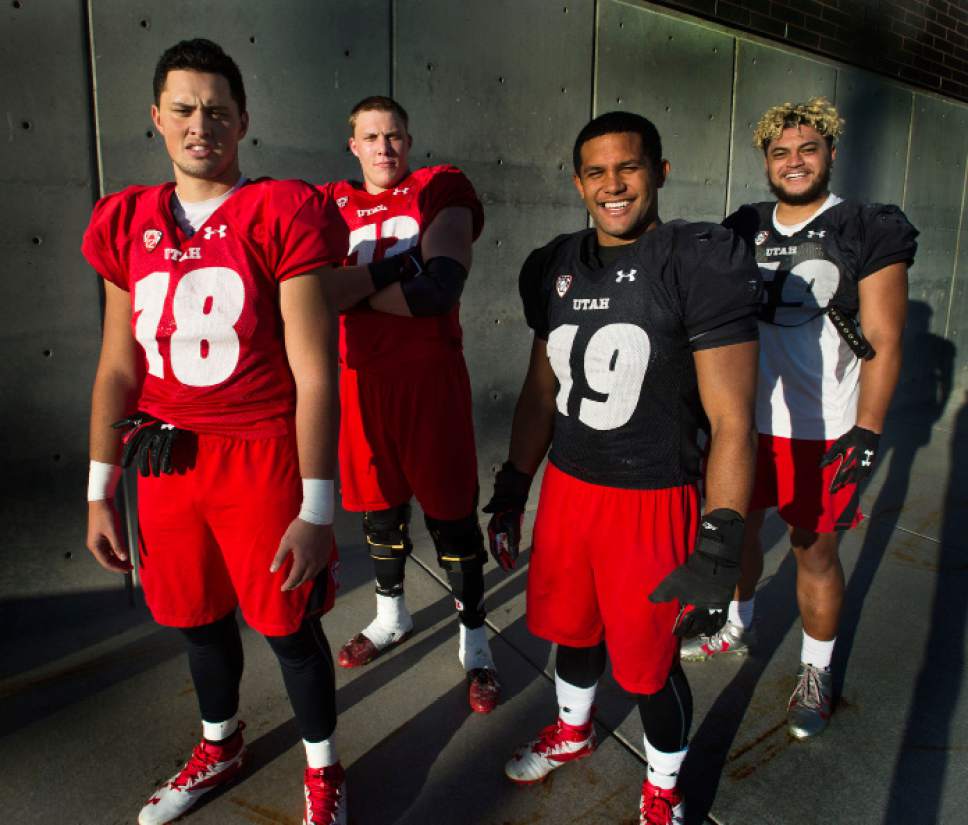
column 816, row 233
column 869, row 457
column 402, row 190
column 211, row 231
column 621, row 275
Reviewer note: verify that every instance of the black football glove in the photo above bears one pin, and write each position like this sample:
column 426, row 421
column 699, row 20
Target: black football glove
column 704, row 585
column 857, row 450
column 401, row 267
column 148, row 443
column 510, row 497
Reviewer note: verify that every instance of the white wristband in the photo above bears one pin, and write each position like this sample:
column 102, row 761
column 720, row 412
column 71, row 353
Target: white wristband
column 318, row 501
column 102, row 481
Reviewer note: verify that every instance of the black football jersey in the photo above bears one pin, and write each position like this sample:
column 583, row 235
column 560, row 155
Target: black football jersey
column 822, row 263
column 620, row 339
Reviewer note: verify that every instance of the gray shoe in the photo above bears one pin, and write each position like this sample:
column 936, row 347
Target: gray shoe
column 811, row 703
column 730, row 638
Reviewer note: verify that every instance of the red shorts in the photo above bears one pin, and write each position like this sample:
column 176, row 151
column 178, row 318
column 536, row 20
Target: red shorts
column 790, row 478
column 208, row 534
column 408, row 433
column 598, row 553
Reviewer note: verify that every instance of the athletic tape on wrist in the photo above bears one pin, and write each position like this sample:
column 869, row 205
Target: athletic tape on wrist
column 318, row 503
column 102, row 481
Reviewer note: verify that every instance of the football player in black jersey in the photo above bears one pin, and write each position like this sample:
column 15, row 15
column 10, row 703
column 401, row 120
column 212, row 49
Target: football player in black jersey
column 642, row 329
column 824, row 384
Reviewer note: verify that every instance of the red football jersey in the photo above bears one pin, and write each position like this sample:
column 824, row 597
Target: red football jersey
column 377, row 226
column 205, row 308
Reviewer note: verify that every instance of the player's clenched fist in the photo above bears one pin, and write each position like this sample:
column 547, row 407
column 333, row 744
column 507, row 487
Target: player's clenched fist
column 310, row 545
column 856, row 450
column 705, row 583
column 103, row 537
column 510, row 497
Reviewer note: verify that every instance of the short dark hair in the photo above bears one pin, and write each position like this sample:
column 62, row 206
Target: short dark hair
column 379, row 103
column 200, row 55
column 615, row 122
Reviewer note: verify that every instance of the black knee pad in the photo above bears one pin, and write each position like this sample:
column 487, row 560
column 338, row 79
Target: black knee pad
column 459, row 543
column 387, row 532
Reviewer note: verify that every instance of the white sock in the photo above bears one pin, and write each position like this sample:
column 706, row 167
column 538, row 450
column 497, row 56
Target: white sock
column 321, row 754
column 473, row 649
column 815, row 652
column 574, row 703
column 391, row 622
column 217, row 731
column 663, row 770
column 741, row 613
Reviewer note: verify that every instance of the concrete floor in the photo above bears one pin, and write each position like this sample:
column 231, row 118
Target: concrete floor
column 96, row 705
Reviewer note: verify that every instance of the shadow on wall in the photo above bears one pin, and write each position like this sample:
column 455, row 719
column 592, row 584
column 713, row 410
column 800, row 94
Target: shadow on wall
column 920, row 767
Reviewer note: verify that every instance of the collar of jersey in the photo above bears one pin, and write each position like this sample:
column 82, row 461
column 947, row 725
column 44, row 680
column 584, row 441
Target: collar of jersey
column 630, row 252
column 789, row 230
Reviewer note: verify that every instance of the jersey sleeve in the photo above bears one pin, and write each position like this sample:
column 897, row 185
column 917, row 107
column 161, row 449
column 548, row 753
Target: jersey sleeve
column 450, row 187
column 719, row 286
column 99, row 245
column 534, row 286
column 889, row 238
column 745, row 222
column 313, row 238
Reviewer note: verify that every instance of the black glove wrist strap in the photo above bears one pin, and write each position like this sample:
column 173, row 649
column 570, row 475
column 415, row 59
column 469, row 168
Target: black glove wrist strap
column 396, row 268
column 511, row 488
column 721, row 535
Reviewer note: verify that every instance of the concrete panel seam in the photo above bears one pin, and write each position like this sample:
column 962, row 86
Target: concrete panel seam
column 92, row 75
column 391, row 58
column 910, row 142
column 954, row 264
column 732, row 130
column 597, row 22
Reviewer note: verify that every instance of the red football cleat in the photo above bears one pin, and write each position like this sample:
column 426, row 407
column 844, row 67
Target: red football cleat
column 325, row 790
column 360, row 651
column 483, row 689
column 209, row 766
column 660, row 806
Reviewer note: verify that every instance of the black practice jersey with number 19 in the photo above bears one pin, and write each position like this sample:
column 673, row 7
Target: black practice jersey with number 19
column 620, row 339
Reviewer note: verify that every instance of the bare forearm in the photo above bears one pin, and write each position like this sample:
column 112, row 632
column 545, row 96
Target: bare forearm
column 730, row 466
column 347, row 286
column 531, row 431
column 114, row 397
column 317, row 421
column 878, row 380
column 391, row 300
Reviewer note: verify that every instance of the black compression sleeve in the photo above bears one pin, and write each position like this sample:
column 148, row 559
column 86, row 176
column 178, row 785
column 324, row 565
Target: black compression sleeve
column 215, row 660
column 437, row 290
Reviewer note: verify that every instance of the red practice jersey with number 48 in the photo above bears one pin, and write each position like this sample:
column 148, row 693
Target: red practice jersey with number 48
column 379, row 226
column 205, row 308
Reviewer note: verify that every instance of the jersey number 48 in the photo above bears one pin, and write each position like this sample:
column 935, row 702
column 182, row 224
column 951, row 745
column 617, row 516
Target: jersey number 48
column 206, row 306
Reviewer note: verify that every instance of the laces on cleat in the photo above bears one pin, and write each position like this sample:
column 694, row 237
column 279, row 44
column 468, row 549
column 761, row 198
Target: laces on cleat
column 660, row 806
column 325, row 795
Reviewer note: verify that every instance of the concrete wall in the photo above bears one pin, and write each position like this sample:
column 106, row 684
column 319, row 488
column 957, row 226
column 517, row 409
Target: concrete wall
column 498, row 88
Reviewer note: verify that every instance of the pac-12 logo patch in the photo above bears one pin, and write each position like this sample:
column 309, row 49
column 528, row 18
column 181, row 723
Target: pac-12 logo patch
column 341, row 202
column 761, row 237
column 151, row 238
column 563, row 284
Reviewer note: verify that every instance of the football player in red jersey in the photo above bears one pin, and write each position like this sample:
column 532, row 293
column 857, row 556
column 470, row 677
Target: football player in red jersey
column 406, row 425
column 641, row 330
column 218, row 332
column 824, row 388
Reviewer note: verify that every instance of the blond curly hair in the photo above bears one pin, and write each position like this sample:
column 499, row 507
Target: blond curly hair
column 817, row 112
